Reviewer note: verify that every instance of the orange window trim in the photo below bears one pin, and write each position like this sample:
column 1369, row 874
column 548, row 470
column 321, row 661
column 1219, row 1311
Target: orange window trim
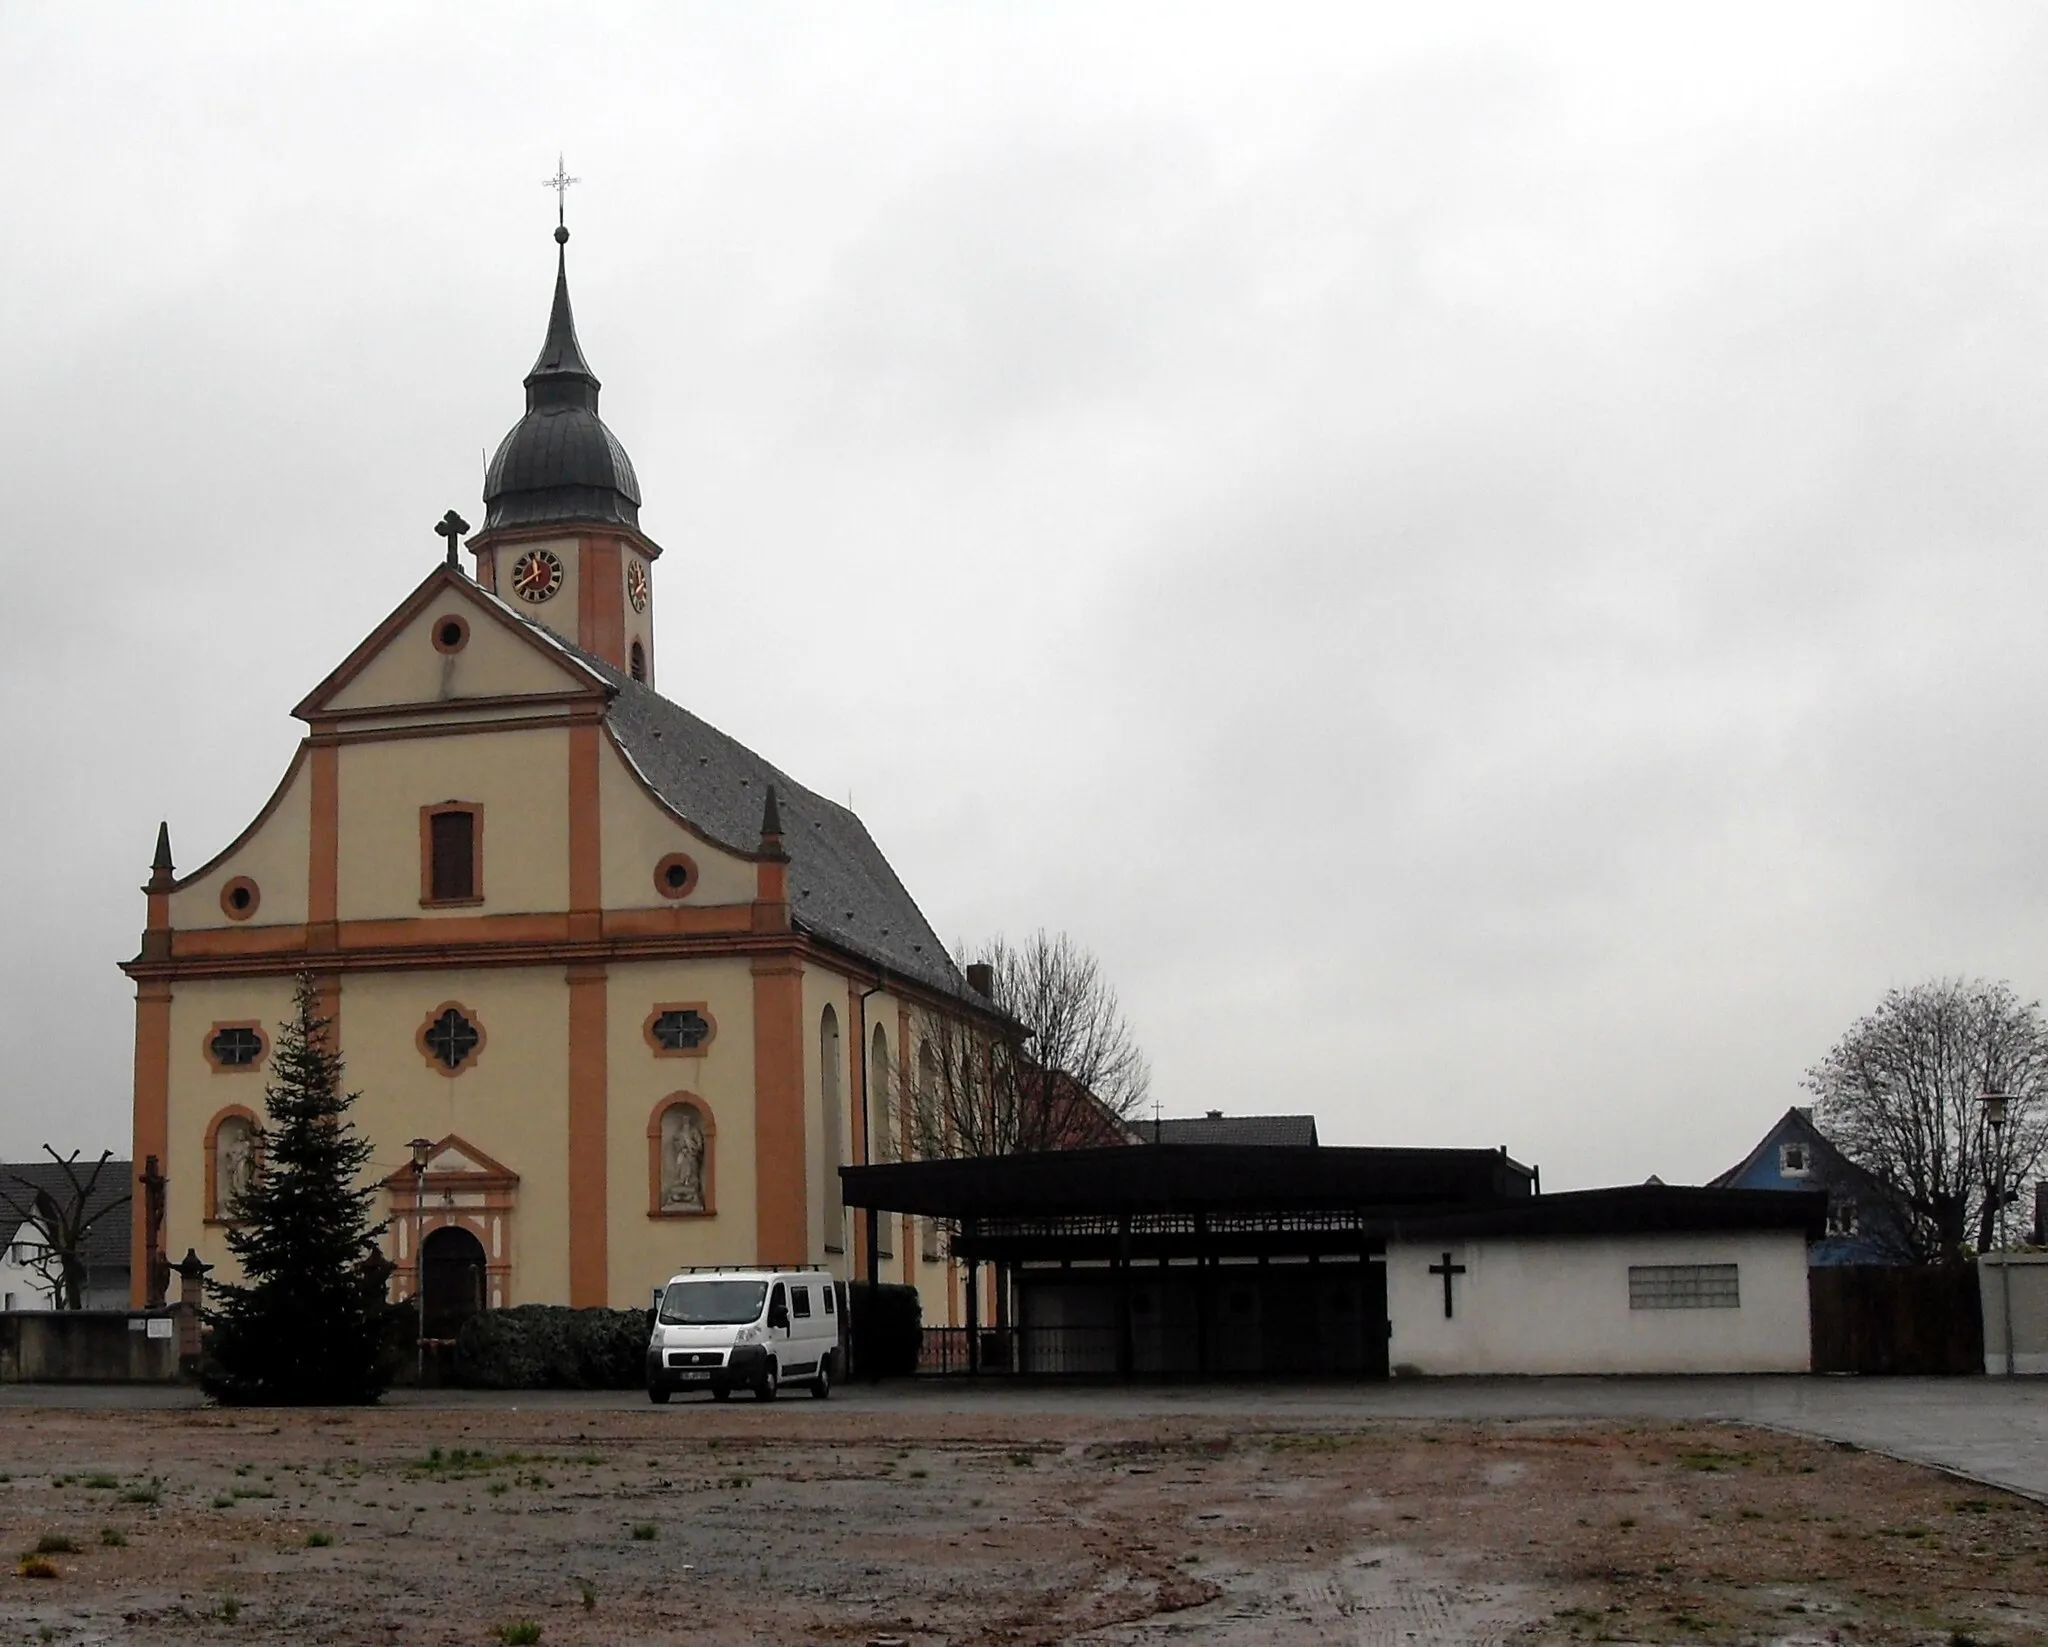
column 676, row 860
column 682, row 1100
column 697, row 1051
column 228, row 906
column 233, row 1112
column 476, row 1053
column 476, row 855
column 255, row 1063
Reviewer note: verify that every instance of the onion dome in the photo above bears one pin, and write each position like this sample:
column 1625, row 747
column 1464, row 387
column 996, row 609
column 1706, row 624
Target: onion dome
column 560, row 463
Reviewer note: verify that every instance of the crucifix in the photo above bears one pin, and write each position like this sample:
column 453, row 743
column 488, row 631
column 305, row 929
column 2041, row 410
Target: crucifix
column 1447, row 1269
column 451, row 526
column 560, row 183
column 156, row 1266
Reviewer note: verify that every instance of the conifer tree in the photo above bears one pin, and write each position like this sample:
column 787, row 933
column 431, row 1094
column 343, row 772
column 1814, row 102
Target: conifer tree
column 305, row 1323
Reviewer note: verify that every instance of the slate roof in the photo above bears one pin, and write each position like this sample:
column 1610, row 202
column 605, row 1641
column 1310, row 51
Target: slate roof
column 106, row 1243
column 1298, row 1131
column 841, row 888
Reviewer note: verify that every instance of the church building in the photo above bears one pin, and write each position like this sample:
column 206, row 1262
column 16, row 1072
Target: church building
column 637, row 993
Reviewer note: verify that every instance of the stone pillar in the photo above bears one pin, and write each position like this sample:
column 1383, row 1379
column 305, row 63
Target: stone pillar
column 191, row 1274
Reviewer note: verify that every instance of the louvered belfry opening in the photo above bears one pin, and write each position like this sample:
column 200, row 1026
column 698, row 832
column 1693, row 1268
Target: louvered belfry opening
column 453, row 874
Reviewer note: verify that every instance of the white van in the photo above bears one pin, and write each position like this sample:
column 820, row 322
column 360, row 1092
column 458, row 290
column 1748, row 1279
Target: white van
column 719, row 1329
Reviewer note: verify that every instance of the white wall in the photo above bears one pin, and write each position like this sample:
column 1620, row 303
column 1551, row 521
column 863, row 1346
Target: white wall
column 1560, row 1304
column 2028, row 1304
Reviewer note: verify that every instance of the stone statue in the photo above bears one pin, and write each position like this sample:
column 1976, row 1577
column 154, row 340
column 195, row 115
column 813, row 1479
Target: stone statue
column 235, row 1165
column 682, row 1159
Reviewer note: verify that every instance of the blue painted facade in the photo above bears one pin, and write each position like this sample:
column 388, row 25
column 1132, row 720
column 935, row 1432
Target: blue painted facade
column 1865, row 1224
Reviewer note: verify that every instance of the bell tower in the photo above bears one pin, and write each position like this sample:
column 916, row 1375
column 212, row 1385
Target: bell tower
column 561, row 538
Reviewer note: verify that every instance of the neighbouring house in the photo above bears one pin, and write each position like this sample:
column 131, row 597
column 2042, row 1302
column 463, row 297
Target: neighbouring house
column 1289, row 1131
column 25, row 1279
column 1866, row 1223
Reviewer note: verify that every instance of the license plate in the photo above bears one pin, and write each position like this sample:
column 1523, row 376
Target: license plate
column 693, row 1377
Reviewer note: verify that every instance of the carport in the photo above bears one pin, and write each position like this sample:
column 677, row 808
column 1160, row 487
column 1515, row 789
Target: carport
column 1186, row 1259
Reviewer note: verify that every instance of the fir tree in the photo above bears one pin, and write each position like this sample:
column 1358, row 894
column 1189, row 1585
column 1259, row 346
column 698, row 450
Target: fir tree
column 305, row 1323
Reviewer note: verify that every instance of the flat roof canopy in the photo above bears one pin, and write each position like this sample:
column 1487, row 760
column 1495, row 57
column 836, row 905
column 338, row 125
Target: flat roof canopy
column 1146, row 1178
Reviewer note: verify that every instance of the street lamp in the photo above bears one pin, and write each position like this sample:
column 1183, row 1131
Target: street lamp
column 422, row 1149
column 1995, row 1105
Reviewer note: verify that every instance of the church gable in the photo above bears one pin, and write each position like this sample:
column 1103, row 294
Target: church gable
column 450, row 645
column 258, row 879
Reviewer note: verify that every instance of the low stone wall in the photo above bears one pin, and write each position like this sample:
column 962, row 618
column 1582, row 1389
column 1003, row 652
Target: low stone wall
column 88, row 1347
column 2026, row 1275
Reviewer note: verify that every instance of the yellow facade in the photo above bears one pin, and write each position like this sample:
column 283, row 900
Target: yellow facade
column 571, row 837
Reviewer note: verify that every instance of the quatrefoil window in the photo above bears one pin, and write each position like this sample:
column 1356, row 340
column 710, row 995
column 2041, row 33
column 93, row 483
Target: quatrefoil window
column 681, row 1029
column 236, row 1047
column 451, row 1039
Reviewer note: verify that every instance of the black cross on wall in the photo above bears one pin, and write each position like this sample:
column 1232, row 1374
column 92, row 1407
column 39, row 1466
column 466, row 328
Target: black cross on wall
column 1447, row 1269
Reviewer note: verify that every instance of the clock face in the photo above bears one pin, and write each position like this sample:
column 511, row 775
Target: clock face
column 636, row 584
column 536, row 575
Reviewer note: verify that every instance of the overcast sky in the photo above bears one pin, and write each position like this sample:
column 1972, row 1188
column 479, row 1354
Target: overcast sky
column 1488, row 561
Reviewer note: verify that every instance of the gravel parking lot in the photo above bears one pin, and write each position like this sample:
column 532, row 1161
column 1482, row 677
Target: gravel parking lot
column 976, row 1519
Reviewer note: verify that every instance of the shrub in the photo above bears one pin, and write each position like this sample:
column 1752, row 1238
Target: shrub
column 887, row 1328
column 551, row 1347
column 35, row 1566
column 520, row 1633
column 113, row 1537
column 55, row 1544
column 319, row 1541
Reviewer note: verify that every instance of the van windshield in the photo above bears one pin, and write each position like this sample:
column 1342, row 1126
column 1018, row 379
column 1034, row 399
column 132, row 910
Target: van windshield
column 712, row 1303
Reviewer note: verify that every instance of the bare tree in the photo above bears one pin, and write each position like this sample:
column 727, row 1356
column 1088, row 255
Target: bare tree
column 61, row 1217
column 1902, row 1093
column 1063, row 1071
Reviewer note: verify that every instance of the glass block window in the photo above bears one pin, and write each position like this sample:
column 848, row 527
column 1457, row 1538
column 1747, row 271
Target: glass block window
column 1684, row 1287
column 236, row 1047
column 452, row 1039
column 681, row 1030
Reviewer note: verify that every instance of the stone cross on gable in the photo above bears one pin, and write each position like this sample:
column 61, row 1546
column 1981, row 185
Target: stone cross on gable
column 451, row 527
column 1447, row 1269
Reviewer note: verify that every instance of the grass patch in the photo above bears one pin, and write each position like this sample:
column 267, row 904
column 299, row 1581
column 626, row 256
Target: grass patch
column 142, row 1495
column 228, row 1609
column 113, row 1538
column 644, row 1532
column 521, row 1632
column 223, row 1502
column 319, row 1541
column 55, row 1544
column 103, row 1482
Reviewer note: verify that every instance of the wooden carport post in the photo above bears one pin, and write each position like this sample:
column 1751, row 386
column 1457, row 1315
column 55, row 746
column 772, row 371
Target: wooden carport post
column 1203, row 1260
column 973, row 1307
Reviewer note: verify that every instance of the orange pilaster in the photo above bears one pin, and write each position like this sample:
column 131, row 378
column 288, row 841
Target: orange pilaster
column 589, row 1260
column 323, row 868
column 781, row 1194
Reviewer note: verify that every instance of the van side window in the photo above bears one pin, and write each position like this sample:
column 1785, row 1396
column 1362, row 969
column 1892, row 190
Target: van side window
column 826, row 1295
column 800, row 1302
column 778, row 1306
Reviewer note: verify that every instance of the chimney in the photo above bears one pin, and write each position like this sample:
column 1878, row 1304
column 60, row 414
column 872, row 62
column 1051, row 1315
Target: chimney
column 981, row 978
column 1215, row 1115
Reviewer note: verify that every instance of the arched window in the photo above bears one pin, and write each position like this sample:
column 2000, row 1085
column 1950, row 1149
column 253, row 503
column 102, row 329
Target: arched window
column 881, row 1136
column 928, row 1107
column 682, row 1158
column 835, row 1144
column 232, row 1161
column 636, row 664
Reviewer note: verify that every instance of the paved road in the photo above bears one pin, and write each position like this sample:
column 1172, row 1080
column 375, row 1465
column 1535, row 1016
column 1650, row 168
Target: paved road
column 1989, row 1429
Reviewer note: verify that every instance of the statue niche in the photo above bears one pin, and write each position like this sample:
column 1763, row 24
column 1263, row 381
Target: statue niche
column 234, row 1163
column 683, row 1147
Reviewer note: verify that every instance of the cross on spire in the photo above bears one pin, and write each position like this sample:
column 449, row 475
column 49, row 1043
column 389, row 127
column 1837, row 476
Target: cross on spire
column 560, row 183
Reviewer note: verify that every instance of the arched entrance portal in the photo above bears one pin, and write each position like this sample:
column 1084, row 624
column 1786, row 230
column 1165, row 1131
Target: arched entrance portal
column 452, row 1279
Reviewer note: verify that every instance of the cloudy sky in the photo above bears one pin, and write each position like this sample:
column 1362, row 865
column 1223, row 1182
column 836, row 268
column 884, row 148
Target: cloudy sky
column 1489, row 561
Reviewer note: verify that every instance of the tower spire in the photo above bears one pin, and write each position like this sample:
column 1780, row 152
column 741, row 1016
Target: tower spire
column 161, row 870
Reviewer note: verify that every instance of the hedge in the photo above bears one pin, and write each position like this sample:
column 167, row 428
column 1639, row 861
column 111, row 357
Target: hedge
column 552, row 1347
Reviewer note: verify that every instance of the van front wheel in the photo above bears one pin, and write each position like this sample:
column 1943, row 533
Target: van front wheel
column 821, row 1386
column 658, row 1396
column 768, row 1383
